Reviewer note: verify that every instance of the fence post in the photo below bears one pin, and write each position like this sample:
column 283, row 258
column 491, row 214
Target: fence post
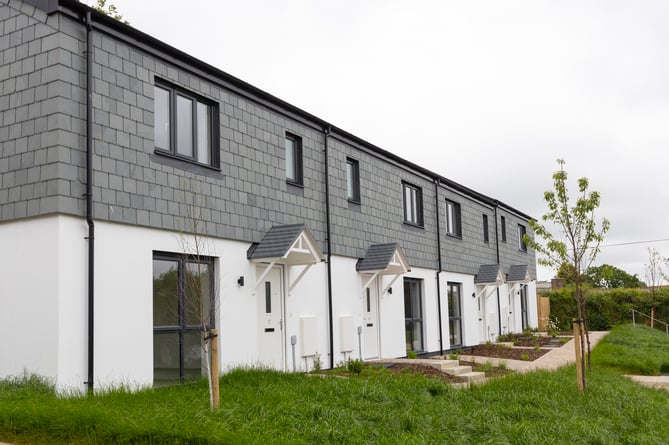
column 633, row 321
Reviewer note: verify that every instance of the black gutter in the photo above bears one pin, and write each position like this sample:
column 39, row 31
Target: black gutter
column 499, row 306
column 326, row 133
column 89, row 199
column 441, row 332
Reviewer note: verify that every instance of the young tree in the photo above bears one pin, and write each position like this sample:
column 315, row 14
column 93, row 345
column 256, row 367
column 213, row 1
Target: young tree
column 577, row 243
column 654, row 277
column 200, row 284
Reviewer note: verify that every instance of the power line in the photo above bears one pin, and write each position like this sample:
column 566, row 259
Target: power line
column 636, row 242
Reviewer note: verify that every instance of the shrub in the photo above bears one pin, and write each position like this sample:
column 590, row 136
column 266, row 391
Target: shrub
column 317, row 362
column 354, row 366
column 606, row 308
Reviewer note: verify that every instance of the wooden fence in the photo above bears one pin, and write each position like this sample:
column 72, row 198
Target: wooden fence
column 543, row 311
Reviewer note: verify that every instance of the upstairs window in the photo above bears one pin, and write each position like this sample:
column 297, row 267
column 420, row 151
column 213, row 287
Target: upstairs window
column 486, row 236
column 413, row 204
column 185, row 125
column 521, row 234
column 293, row 145
column 352, row 180
column 453, row 219
column 502, row 221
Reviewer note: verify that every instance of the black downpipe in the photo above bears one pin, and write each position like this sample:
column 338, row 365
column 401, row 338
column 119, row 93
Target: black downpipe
column 499, row 306
column 89, row 198
column 326, row 132
column 441, row 332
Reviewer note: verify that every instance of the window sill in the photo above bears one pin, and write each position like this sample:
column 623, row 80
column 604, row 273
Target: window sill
column 458, row 237
column 353, row 201
column 418, row 226
column 170, row 155
column 294, row 183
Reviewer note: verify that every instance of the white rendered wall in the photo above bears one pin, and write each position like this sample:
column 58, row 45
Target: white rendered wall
column 348, row 301
column 43, row 321
column 124, row 292
column 430, row 307
column 124, row 296
column 42, row 296
column 391, row 319
column 72, row 303
column 470, row 321
column 307, row 299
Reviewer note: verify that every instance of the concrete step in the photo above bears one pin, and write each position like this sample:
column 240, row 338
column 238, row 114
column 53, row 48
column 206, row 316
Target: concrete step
column 458, row 370
column 473, row 377
column 445, row 365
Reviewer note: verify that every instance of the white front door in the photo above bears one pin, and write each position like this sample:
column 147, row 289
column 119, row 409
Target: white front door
column 370, row 320
column 270, row 310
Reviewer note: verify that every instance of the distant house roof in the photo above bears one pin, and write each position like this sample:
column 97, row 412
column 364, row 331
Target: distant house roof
column 383, row 257
column 288, row 243
column 518, row 273
column 489, row 274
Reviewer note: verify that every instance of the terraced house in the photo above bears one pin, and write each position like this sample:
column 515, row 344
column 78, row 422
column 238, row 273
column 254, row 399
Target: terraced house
column 130, row 169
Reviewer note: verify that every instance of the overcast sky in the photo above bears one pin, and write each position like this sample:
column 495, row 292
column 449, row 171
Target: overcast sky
column 487, row 93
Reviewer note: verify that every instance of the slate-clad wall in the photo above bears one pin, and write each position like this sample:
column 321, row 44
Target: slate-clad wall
column 466, row 254
column 242, row 201
column 509, row 253
column 379, row 218
column 41, row 109
column 43, row 155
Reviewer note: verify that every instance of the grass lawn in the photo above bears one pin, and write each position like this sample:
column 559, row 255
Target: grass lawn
column 634, row 350
column 376, row 407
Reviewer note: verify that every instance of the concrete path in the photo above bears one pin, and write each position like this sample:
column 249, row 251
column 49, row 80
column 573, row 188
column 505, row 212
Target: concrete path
column 653, row 381
column 553, row 359
column 562, row 356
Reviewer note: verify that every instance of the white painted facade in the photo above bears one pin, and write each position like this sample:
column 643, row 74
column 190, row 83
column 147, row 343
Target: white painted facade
column 45, row 316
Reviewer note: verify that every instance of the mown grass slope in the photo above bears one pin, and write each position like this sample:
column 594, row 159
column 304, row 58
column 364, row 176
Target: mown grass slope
column 259, row 406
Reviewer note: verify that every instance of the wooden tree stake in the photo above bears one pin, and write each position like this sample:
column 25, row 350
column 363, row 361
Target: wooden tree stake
column 214, row 369
column 579, row 355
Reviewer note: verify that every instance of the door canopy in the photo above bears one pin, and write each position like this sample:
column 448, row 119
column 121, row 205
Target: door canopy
column 518, row 274
column 380, row 260
column 289, row 244
column 489, row 278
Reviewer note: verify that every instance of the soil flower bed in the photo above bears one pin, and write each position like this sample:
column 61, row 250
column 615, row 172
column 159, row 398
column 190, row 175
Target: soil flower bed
column 499, row 351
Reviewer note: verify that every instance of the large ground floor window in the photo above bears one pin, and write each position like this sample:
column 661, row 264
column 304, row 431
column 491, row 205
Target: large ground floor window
column 455, row 313
column 413, row 314
column 182, row 310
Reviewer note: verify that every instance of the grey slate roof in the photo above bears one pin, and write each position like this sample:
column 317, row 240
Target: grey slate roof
column 377, row 257
column 487, row 274
column 276, row 242
column 517, row 273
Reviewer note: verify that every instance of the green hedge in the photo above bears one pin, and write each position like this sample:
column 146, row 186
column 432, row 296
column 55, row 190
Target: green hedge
column 607, row 307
